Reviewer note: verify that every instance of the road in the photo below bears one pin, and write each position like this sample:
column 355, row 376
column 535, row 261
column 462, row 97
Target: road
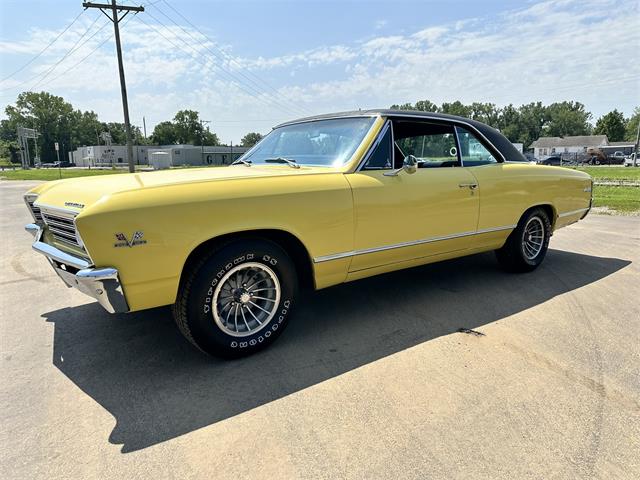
column 371, row 380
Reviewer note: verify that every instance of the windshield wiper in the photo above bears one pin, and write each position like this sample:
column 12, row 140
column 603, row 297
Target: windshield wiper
column 289, row 161
column 243, row 162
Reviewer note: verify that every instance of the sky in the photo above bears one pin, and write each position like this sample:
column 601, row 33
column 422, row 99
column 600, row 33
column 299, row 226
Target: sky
column 248, row 65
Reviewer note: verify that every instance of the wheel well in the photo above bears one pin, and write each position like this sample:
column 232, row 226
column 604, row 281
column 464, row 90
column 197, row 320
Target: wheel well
column 549, row 210
column 287, row 241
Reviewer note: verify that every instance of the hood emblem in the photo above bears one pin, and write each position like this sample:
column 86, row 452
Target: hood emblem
column 123, row 241
column 74, row 205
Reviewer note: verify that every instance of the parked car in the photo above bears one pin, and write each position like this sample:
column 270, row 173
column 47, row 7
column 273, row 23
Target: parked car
column 64, row 164
column 317, row 202
column 630, row 161
column 616, row 159
column 554, row 160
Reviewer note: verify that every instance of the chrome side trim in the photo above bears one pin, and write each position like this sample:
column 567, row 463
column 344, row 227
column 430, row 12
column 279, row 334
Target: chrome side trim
column 353, row 253
column 572, row 212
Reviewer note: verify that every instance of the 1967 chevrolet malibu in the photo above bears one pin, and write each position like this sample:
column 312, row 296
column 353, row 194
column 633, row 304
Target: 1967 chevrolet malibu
column 319, row 201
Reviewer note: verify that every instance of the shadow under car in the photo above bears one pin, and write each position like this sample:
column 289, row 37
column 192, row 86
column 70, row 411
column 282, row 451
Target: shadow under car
column 157, row 386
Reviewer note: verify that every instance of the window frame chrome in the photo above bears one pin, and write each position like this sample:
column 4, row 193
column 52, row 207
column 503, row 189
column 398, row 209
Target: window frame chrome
column 383, row 131
column 479, row 135
column 455, row 129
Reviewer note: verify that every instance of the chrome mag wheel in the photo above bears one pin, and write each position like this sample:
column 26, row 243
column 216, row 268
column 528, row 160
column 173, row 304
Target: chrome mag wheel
column 246, row 299
column 533, row 238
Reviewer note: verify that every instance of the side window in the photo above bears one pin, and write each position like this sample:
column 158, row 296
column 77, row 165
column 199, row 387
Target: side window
column 433, row 144
column 473, row 153
column 381, row 157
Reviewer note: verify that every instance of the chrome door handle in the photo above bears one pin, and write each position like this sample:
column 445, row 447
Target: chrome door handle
column 472, row 186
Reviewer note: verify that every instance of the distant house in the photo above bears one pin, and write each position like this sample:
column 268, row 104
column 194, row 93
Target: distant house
column 547, row 146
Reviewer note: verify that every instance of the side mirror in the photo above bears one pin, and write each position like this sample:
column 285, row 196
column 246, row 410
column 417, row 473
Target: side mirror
column 409, row 165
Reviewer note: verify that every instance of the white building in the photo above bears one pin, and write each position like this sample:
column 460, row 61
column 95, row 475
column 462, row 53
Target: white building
column 176, row 155
column 547, row 146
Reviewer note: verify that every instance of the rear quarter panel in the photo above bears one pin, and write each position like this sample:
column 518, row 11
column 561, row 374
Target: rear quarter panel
column 507, row 190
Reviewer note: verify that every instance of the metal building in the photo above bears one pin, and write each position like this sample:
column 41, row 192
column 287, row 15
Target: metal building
column 175, row 155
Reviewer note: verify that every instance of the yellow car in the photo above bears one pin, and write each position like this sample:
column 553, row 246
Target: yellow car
column 319, row 201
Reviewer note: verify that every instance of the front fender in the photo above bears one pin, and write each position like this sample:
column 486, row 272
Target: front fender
column 174, row 220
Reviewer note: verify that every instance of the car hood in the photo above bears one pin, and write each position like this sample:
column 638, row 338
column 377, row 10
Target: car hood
column 79, row 193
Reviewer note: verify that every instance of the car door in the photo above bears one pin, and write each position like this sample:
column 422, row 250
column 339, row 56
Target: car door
column 402, row 216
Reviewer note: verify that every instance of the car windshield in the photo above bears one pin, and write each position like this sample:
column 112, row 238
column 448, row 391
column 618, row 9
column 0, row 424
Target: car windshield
column 324, row 143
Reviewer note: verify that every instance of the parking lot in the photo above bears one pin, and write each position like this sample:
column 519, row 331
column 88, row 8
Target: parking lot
column 453, row 370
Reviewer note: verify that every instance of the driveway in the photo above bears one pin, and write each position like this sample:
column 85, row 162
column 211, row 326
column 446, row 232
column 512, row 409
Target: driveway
column 372, row 379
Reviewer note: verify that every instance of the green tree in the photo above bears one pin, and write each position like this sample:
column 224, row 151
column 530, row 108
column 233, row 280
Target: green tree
column 456, row 108
column 533, row 117
column 426, row 106
column 485, row 112
column 250, row 139
column 567, row 118
column 613, row 125
column 404, row 106
column 50, row 115
column 210, row 138
column 511, row 125
column 188, row 127
column 631, row 133
column 118, row 133
column 164, row 133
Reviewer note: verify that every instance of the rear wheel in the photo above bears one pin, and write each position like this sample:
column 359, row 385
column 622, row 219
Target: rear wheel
column 527, row 245
column 237, row 300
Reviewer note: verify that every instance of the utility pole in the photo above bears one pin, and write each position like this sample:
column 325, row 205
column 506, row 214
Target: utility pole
column 115, row 8
column 202, row 122
column 635, row 149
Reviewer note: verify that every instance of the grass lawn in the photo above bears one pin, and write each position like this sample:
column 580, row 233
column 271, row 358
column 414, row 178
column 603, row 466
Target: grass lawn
column 621, row 199
column 613, row 173
column 53, row 174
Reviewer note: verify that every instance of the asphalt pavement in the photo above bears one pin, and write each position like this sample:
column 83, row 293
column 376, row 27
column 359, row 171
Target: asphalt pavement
column 454, row 370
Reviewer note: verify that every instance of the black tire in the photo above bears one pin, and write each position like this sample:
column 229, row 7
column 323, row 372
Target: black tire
column 519, row 254
column 216, row 274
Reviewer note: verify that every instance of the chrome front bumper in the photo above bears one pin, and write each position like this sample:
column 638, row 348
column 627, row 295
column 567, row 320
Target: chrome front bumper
column 103, row 284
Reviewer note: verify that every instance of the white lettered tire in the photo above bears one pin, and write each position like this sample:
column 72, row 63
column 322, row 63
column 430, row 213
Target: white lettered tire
column 237, row 300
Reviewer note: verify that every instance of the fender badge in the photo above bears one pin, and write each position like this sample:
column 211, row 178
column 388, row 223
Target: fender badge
column 74, row 204
column 123, row 241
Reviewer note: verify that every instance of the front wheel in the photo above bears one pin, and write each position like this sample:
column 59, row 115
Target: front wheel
column 527, row 245
column 237, row 300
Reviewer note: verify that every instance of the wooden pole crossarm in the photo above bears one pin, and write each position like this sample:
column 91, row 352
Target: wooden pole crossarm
column 109, row 7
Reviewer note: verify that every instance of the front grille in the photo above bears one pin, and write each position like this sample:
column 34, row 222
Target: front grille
column 62, row 228
column 34, row 210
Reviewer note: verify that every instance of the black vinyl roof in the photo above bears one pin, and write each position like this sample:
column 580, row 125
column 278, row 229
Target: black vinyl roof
column 495, row 138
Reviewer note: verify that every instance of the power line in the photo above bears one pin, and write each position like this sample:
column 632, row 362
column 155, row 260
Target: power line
column 222, row 55
column 247, row 89
column 250, row 90
column 44, row 49
column 42, row 75
column 88, row 55
column 73, row 49
column 258, row 92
